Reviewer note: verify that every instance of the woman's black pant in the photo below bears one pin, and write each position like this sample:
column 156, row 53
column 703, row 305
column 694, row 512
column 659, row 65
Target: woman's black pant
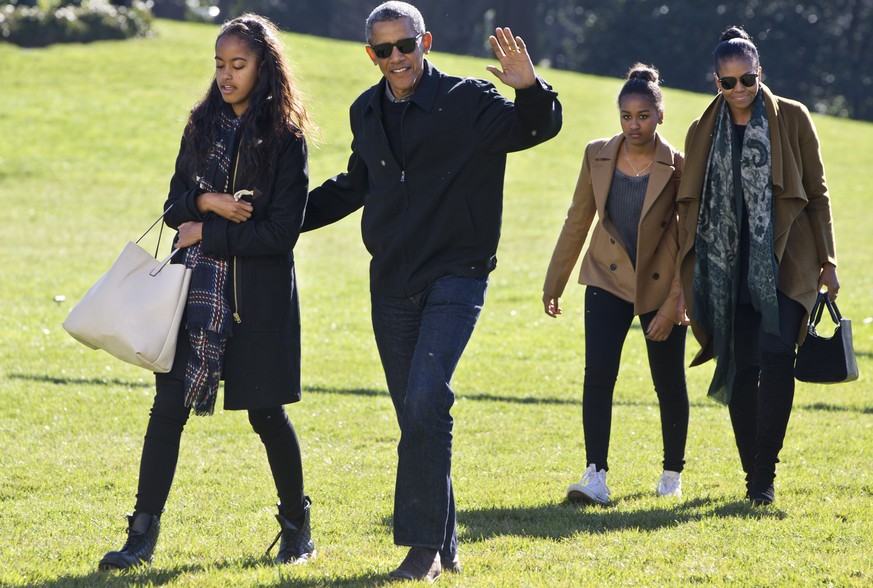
column 607, row 322
column 161, row 449
column 763, row 389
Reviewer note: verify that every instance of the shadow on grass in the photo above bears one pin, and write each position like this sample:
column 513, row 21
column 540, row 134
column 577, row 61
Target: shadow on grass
column 826, row 407
column 153, row 576
column 65, row 381
column 370, row 392
column 562, row 520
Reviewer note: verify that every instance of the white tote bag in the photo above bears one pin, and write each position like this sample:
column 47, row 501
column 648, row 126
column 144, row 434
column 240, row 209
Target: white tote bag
column 134, row 311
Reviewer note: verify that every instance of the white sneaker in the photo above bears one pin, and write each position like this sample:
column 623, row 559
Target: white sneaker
column 591, row 488
column 670, row 484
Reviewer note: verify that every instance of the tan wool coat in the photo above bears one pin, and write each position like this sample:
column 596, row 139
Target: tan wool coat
column 803, row 235
column 654, row 284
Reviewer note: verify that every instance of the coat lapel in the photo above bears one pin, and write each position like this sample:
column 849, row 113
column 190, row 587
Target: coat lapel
column 788, row 201
column 602, row 169
column 662, row 172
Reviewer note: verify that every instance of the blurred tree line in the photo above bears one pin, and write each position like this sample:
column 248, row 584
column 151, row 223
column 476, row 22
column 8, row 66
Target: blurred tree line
column 817, row 51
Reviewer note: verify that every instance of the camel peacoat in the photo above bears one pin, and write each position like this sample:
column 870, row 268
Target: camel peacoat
column 803, row 234
column 653, row 285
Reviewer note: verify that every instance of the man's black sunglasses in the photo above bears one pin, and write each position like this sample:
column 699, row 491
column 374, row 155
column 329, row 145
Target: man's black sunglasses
column 728, row 83
column 384, row 50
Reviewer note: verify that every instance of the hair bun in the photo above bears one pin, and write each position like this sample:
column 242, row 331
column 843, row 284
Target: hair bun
column 647, row 73
column 734, row 33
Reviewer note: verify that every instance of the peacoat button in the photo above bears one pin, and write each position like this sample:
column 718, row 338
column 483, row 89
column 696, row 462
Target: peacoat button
column 656, row 276
column 613, row 267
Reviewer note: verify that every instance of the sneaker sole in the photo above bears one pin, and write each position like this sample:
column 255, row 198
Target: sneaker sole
column 676, row 494
column 579, row 496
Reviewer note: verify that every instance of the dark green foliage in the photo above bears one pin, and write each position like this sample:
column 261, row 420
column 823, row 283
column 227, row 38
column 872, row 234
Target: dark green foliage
column 816, row 51
column 73, row 21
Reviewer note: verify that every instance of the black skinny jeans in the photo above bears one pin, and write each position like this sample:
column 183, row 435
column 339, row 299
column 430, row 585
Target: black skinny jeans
column 607, row 321
column 160, row 451
column 763, row 389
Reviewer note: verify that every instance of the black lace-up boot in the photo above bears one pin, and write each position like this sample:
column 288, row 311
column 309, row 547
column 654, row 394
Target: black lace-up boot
column 142, row 536
column 296, row 546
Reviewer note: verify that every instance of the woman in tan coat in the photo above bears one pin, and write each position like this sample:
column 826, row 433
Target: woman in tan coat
column 629, row 182
column 756, row 245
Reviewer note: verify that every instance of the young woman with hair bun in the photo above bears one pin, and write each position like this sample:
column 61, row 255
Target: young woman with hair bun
column 756, row 247
column 629, row 184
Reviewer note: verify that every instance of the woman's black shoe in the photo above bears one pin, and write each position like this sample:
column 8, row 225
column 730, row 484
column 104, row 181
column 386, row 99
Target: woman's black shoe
column 763, row 496
column 296, row 546
column 139, row 547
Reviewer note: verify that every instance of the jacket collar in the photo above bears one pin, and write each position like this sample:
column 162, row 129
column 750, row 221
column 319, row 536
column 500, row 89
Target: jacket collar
column 603, row 167
column 775, row 123
column 610, row 151
column 701, row 143
column 424, row 96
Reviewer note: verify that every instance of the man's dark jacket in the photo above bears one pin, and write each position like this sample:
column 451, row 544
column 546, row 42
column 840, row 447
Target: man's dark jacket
column 438, row 211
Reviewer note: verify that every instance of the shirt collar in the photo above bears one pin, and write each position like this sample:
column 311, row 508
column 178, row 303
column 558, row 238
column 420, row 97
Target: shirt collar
column 424, row 96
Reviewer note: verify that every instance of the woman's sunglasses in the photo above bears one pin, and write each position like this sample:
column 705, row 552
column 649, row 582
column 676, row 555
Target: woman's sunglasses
column 728, row 83
column 384, row 50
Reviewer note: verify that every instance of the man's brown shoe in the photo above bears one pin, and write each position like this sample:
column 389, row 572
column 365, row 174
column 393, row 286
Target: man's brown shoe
column 419, row 564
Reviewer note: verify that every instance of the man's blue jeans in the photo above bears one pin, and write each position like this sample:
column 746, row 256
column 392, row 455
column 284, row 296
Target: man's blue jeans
column 420, row 340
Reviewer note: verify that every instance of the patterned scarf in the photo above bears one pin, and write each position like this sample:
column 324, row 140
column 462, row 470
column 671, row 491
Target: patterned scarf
column 717, row 272
column 209, row 321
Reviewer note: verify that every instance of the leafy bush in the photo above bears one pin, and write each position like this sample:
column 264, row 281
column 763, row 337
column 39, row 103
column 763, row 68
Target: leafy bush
column 80, row 21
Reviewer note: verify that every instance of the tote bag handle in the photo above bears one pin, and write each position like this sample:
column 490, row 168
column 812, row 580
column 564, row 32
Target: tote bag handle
column 167, row 259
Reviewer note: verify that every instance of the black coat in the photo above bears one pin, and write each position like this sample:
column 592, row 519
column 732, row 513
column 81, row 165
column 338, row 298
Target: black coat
column 262, row 358
column 437, row 210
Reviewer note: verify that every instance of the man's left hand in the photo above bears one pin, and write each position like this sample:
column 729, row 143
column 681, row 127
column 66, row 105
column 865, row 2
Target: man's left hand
column 517, row 68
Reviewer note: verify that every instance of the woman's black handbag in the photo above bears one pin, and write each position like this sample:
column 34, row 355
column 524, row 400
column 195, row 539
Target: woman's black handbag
column 823, row 360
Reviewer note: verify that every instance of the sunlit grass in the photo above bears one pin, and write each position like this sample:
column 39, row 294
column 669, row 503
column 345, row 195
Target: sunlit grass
column 88, row 136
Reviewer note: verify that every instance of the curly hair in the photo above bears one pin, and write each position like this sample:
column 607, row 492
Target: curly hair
column 275, row 106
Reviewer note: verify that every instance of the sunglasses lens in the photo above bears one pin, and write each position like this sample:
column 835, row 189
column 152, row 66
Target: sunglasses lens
column 749, row 80
column 727, row 83
column 383, row 50
column 406, row 45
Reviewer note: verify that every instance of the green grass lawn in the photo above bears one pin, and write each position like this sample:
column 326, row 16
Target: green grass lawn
column 88, row 136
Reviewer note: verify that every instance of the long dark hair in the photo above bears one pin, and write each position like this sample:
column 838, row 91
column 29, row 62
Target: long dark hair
column 275, row 105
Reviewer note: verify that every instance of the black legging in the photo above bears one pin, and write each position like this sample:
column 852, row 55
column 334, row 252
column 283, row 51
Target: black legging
column 607, row 321
column 763, row 389
column 160, row 451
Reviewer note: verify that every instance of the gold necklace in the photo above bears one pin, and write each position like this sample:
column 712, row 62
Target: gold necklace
column 636, row 173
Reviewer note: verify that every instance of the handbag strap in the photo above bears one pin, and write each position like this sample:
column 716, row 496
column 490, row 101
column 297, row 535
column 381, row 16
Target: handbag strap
column 822, row 301
column 160, row 231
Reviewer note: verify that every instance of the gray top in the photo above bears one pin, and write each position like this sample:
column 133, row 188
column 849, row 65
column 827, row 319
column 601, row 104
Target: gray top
column 624, row 206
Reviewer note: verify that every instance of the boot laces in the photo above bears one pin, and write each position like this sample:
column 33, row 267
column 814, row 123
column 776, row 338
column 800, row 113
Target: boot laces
column 276, row 540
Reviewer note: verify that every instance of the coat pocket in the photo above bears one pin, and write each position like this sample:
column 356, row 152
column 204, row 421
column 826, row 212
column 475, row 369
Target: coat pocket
column 267, row 299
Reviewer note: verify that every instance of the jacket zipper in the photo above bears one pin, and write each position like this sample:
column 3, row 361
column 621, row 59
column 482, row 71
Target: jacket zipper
column 236, row 317
column 405, row 196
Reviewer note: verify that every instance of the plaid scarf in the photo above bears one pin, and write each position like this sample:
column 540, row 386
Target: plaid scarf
column 716, row 275
column 209, row 322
